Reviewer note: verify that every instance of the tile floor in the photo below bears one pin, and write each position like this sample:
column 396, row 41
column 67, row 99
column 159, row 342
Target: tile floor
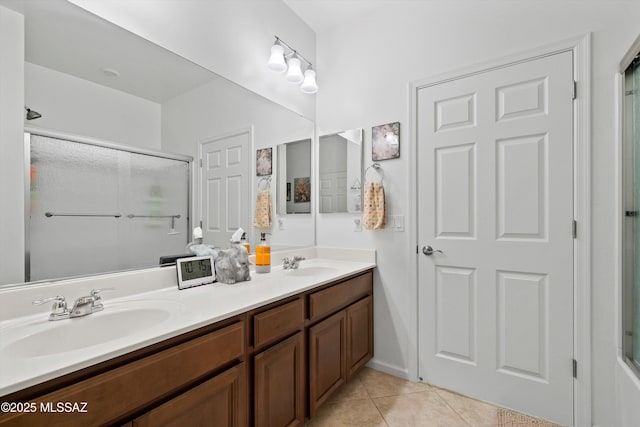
column 375, row 399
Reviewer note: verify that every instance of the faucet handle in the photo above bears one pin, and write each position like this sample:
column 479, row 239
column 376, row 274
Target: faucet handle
column 95, row 292
column 59, row 308
column 59, row 301
column 298, row 258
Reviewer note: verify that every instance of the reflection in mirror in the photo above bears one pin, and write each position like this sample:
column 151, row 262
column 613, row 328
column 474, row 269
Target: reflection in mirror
column 294, row 172
column 90, row 79
column 340, row 172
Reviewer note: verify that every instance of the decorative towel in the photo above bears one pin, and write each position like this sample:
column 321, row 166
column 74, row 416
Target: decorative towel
column 374, row 216
column 262, row 218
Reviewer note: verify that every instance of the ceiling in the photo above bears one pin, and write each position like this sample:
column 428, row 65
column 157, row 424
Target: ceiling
column 321, row 15
column 66, row 38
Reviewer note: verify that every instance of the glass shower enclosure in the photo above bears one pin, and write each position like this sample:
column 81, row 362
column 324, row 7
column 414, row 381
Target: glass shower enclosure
column 631, row 240
column 95, row 208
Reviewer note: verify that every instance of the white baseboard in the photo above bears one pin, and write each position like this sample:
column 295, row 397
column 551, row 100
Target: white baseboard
column 388, row 368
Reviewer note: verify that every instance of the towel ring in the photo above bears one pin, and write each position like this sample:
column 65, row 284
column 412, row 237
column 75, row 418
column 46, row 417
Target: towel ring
column 266, row 179
column 378, row 168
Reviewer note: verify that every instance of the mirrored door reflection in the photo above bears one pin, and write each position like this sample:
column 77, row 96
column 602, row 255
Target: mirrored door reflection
column 340, row 172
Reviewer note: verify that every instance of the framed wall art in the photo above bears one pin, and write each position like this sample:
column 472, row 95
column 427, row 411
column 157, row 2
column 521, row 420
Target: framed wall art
column 385, row 141
column 301, row 190
column 263, row 161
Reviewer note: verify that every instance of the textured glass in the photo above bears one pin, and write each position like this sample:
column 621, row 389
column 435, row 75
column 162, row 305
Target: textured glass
column 89, row 193
column 68, row 178
column 157, row 193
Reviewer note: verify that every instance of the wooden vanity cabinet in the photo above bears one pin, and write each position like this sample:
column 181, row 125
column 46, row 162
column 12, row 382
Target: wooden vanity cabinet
column 342, row 343
column 333, row 337
column 279, row 384
column 359, row 335
column 327, row 359
column 159, row 380
column 271, row 366
column 278, row 365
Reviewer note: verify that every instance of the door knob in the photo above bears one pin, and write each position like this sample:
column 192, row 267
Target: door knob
column 428, row 250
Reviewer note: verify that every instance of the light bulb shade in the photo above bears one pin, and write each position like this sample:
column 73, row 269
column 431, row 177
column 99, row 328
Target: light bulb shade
column 294, row 74
column 309, row 84
column 276, row 60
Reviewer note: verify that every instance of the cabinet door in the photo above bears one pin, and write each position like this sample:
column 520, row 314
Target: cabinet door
column 217, row 402
column 279, row 384
column 327, row 359
column 359, row 334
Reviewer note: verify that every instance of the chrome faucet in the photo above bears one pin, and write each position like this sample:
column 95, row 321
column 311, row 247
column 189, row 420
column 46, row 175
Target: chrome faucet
column 82, row 307
column 291, row 263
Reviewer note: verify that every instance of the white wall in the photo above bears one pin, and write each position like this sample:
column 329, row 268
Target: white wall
column 366, row 67
column 72, row 105
column 230, row 38
column 11, row 146
column 220, row 107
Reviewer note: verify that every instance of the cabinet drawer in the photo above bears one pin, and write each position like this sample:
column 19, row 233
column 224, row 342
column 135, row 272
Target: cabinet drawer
column 124, row 390
column 278, row 322
column 218, row 402
column 331, row 299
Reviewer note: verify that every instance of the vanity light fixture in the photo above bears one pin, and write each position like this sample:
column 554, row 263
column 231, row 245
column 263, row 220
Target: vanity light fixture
column 291, row 61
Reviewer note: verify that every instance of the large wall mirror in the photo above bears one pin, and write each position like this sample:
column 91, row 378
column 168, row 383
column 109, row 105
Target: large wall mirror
column 340, row 172
column 91, row 80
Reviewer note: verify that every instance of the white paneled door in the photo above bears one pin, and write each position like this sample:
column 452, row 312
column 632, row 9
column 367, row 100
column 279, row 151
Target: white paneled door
column 224, row 186
column 496, row 197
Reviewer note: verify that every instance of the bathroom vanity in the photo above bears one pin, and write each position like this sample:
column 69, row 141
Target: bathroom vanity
column 301, row 336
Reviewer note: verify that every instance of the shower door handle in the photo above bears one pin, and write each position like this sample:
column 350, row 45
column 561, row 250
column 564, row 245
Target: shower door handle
column 428, row 250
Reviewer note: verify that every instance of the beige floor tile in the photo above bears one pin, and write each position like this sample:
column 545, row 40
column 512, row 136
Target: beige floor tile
column 353, row 390
column 379, row 384
column 475, row 412
column 482, row 414
column 421, row 409
column 356, row 413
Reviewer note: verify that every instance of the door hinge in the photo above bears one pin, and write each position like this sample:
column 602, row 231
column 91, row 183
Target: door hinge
column 575, row 369
column 200, row 224
column 575, row 89
column 574, row 229
column 200, row 162
column 417, row 249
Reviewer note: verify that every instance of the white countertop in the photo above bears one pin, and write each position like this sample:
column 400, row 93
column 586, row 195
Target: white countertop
column 180, row 311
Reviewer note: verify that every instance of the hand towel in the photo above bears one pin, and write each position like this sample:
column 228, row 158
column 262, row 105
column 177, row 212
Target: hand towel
column 374, row 216
column 262, row 218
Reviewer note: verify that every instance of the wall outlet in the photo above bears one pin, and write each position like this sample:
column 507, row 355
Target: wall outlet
column 281, row 223
column 396, row 223
column 357, row 225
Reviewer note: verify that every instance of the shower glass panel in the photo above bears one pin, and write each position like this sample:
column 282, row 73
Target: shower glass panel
column 95, row 209
column 631, row 288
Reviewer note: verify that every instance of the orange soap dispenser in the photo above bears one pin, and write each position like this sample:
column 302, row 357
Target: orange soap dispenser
column 263, row 255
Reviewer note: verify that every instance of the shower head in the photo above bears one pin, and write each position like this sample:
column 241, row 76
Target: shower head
column 31, row 114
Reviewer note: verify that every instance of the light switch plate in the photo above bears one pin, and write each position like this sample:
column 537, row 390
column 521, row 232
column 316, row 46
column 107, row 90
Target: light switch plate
column 357, row 225
column 396, row 222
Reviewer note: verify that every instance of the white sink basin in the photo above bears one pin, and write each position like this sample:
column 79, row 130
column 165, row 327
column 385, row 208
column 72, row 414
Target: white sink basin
column 117, row 320
column 313, row 270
